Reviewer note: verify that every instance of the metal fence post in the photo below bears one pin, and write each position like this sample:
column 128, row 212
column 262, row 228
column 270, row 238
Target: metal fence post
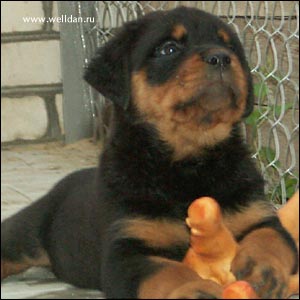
column 77, row 108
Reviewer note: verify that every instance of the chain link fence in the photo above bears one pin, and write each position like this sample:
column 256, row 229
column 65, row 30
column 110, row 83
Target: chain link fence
column 269, row 31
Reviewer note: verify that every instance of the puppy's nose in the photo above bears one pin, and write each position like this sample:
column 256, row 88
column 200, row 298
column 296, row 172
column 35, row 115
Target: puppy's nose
column 219, row 59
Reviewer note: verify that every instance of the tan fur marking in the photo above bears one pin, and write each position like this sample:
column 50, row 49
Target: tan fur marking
column 10, row 268
column 224, row 35
column 179, row 32
column 174, row 281
column 172, row 275
column 181, row 128
column 157, row 233
column 240, row 221
column 264, row 243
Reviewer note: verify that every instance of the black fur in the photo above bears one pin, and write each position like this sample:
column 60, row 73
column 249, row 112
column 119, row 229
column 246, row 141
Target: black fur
column 76, row 222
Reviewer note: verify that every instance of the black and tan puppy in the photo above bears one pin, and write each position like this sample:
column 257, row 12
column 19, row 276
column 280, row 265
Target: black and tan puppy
column 180, row 85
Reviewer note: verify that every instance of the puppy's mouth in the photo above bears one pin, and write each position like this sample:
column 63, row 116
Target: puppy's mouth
column 212, row 97
column 210, row 101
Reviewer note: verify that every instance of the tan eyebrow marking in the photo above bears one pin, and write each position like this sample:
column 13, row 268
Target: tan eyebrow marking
column 179, row 31
column 224, row 35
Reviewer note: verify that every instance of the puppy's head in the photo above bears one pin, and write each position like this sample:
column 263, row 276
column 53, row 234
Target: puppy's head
column 183, row 71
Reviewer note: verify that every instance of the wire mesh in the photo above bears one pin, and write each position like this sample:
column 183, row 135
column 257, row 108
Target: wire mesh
column 269, row 31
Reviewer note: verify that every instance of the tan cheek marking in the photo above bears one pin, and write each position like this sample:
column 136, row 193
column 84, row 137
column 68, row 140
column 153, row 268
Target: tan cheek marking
column 158, row 101
column 181, row 129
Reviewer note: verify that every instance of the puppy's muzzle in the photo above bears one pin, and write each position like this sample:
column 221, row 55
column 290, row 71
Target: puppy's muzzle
column 215, row 56
column 218, row 59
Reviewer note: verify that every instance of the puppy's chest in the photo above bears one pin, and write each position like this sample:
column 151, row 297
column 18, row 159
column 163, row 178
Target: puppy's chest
column 191, row 181
column 186, row 183
column 171, row 192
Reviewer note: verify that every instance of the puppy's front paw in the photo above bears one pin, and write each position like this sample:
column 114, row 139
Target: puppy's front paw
column 263, row 271
column 202, row 289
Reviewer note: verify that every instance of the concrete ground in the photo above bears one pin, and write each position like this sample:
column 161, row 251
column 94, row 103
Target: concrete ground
column 27, row 172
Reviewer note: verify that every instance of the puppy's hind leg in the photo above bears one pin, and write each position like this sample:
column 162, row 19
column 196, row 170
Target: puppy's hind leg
column 23, row 237
column 10, row 267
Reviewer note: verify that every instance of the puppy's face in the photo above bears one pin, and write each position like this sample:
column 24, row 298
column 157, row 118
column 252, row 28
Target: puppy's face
column 182, row 71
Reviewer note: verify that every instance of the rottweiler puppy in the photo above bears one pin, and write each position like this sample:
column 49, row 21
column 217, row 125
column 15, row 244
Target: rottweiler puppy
column 180, row 85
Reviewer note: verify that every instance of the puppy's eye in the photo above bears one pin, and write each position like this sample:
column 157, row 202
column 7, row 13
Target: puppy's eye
column 167, row 48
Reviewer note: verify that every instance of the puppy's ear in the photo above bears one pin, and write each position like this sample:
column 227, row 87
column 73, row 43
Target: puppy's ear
column 109, row 71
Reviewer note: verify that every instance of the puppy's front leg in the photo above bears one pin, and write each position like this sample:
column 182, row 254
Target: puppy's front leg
column 141, row 264
column 152, row 277
column 267, row 255
column 173, row 280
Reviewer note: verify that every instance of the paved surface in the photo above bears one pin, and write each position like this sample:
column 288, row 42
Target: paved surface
column 27, row 172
